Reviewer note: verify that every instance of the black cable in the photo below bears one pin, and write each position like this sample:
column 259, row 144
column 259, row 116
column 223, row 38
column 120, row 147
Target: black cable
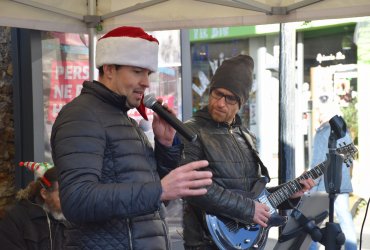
column 363, row 223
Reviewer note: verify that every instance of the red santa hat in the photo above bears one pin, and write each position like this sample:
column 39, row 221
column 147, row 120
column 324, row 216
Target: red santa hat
column 130, row 46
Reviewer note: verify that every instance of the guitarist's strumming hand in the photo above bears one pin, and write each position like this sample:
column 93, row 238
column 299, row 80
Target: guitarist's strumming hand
column 307, row 184
column 261, row 214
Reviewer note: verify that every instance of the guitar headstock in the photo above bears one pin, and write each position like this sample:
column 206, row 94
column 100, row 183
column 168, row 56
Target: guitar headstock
column 348, row 151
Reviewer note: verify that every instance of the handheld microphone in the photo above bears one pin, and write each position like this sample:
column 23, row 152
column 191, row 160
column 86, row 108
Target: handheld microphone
column 151, row 102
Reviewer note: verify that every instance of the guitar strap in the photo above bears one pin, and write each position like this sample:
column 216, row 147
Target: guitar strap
column 251, row 144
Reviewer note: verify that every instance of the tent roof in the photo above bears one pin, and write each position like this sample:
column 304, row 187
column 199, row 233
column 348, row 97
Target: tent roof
column 72, row 15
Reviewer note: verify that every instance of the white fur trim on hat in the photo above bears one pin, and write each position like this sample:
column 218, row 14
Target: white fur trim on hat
column 130, row 51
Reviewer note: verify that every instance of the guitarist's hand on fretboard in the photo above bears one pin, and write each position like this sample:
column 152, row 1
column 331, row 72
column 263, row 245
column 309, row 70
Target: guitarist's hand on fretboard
column 261, row 214
column 307, row 184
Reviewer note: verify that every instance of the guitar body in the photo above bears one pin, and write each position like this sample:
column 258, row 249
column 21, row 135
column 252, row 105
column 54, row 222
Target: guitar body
column 242, row 238
column 228, row 234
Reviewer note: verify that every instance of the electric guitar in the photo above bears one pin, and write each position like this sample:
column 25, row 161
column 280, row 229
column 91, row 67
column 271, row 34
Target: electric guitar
column 229, row 234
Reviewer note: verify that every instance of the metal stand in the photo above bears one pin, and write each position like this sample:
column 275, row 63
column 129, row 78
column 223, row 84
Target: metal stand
column 331, row 236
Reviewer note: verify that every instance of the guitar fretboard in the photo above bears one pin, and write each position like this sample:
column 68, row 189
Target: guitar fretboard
column 293, row 186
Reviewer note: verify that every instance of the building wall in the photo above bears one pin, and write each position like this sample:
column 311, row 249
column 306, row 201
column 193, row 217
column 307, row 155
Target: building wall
column 7, row 146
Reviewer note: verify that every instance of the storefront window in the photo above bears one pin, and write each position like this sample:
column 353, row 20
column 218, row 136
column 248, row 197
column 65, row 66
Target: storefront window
column 206, row 58
column 209, row 47
column 330, row 60
column 65, row 64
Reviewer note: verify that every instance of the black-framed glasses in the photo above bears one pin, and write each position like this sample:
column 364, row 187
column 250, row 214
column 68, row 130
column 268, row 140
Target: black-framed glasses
column 229, row 99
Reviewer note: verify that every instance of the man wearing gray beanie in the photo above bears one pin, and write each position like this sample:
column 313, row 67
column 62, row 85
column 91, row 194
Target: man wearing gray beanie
column 233, row 160
column 235, row 75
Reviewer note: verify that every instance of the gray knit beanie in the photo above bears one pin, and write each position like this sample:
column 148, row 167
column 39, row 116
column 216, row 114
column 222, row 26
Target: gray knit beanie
column 236, row 75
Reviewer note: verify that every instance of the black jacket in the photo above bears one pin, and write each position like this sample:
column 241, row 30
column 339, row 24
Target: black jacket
column 25, row 226
column 235, row 166
column 109, row 184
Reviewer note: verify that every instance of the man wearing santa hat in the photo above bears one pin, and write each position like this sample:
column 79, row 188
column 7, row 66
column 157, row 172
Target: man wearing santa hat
column 109, row 183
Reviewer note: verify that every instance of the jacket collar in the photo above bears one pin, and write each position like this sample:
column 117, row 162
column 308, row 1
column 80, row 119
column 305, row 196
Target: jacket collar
column 204, row 114
column 100, row 91
column 34, row 210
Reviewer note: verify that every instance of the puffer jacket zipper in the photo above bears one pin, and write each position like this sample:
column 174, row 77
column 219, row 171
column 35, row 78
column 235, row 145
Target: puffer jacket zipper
column 128, row 224
column 165, row 228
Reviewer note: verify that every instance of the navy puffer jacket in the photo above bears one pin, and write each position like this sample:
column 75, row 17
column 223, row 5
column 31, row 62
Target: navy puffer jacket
column 109, row 184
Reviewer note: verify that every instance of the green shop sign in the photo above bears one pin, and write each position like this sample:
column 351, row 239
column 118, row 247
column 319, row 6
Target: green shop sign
column 221, row 33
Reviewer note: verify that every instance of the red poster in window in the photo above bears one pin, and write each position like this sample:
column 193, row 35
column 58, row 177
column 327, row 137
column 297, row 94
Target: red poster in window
column 65, row 84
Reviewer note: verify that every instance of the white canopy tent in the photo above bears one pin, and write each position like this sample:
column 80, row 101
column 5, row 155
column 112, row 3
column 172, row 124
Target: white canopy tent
column 78, row 15
column 84, row 16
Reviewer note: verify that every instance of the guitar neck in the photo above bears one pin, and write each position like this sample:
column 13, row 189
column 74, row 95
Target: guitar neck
column 293, row 186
